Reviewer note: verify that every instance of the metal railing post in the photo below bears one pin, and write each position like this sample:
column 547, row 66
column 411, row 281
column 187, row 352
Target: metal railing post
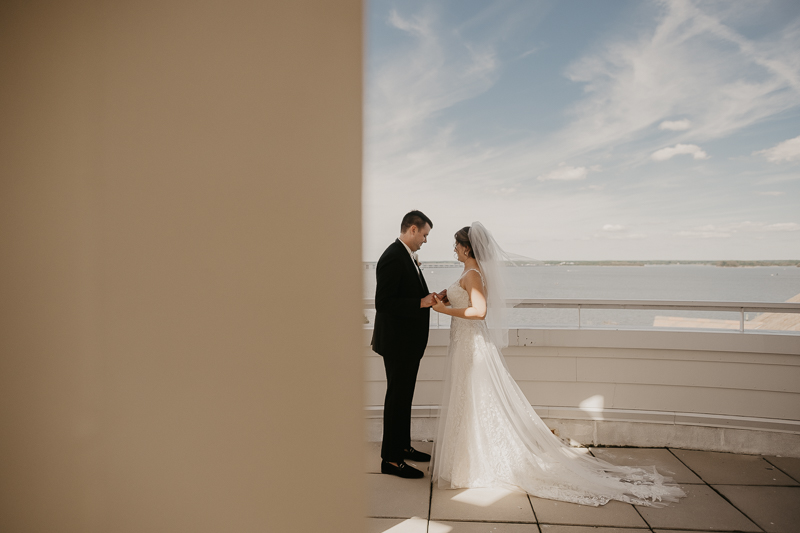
column 741, row 321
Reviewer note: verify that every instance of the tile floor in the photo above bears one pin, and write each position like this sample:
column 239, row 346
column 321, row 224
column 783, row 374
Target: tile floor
column 725, row 493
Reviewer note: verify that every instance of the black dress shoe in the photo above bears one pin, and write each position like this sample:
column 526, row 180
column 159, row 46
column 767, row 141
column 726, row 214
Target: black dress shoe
column 401, row 470
column 416, row 455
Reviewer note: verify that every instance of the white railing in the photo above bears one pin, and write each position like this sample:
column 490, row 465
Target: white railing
column 566, row 303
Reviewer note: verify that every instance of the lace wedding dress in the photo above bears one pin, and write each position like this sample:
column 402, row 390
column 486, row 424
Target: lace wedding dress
column 490, row 436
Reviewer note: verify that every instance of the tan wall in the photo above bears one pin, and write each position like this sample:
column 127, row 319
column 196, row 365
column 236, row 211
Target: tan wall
column 175, row 178
column 672, row 375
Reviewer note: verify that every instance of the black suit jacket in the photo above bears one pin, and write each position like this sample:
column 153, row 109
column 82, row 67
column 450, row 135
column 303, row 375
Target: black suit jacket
column 401, row 326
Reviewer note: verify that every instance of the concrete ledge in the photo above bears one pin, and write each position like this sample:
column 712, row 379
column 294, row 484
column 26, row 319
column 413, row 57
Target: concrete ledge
column 690, row 437
column 720, row 391
column 674, row 339
column 609, row 427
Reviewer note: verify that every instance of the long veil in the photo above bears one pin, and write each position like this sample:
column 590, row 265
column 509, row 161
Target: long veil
column 493, row 262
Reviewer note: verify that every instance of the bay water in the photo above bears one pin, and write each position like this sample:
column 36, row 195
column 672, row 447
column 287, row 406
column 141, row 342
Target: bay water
column 656, row 282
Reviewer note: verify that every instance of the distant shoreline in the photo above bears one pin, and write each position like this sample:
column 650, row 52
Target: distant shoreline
column 723, row 263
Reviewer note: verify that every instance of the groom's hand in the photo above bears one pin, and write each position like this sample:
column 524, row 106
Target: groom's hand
column 427, row 301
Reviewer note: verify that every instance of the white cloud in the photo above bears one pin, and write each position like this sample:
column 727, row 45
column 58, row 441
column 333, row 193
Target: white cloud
column 432, row 71
column 565, row 173
column 703, row 234
column 529, row 52
column 711, row 231
column 785, row 226
column 679, row 149
column 618, row 234
column 784, row 151
column 683, row 65
column 691, row 64
column 618, row 231
column 418, row 25
column 675, row 125
column 770, row 193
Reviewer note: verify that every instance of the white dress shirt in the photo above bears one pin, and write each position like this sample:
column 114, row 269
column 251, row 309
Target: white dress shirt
column 413, row 256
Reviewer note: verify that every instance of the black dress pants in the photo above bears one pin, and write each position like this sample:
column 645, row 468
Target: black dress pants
column 401, row 378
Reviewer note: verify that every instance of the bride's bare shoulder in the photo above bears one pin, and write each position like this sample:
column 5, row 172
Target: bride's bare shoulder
column 472, row 276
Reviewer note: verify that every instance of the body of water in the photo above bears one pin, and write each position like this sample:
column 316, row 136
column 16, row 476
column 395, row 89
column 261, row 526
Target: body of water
column 658, row 282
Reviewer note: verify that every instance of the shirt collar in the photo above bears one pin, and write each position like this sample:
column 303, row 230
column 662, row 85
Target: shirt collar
column 406, row 247
column 412, row 254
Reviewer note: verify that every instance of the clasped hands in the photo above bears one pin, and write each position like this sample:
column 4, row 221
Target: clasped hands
column 435, row 299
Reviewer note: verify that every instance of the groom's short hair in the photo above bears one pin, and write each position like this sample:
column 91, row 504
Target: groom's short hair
column 415, row 218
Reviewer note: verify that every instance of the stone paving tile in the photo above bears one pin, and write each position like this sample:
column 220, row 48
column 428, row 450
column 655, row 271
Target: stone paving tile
column 611, row 514
column 372, row 458
column 490, row 505
column 588, row 529
column 775, row 509
column 397, row 525
column 702, row 509
column 394, row 497
column 666, row 463
column 678, row 531
column 483, row 527
column 790, row 465
column 717, row 468
column 401, row 505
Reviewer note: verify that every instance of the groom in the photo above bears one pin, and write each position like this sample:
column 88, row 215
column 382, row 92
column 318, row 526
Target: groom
column 403, row 306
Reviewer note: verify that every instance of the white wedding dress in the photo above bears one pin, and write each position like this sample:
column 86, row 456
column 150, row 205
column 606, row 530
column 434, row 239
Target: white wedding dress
column 490, row 436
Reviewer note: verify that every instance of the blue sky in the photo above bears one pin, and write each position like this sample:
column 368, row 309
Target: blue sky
column 586, row 130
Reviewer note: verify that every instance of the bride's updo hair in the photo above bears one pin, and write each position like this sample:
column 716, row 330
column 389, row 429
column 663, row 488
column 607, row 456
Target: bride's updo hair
column 462, row 238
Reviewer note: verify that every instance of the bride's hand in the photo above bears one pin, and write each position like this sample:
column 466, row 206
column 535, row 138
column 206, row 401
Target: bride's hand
column 443, row 296
column 438, row 305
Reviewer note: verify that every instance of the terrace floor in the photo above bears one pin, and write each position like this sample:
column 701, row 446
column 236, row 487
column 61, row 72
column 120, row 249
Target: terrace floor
column 725, row 493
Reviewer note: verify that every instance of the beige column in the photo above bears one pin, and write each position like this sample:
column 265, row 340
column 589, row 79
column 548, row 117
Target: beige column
column 180, row 244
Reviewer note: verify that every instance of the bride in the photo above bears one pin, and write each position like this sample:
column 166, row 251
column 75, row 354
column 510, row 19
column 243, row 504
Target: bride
column 489, row 435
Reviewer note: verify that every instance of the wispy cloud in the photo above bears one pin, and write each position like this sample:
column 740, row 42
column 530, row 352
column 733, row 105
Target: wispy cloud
column 785, row 226
column 693, row 65
column 618, row 232
column 565, row 173
column 432, row 72
column 675, row 125
column 724, row 231
column 785, row 151
column 667, row 153
column 695, row 234
column 675, row 82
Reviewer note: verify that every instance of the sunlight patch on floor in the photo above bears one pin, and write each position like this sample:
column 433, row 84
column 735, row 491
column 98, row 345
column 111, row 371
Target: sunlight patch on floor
column 481, row 497
column 416, row 525
column 436, row 527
